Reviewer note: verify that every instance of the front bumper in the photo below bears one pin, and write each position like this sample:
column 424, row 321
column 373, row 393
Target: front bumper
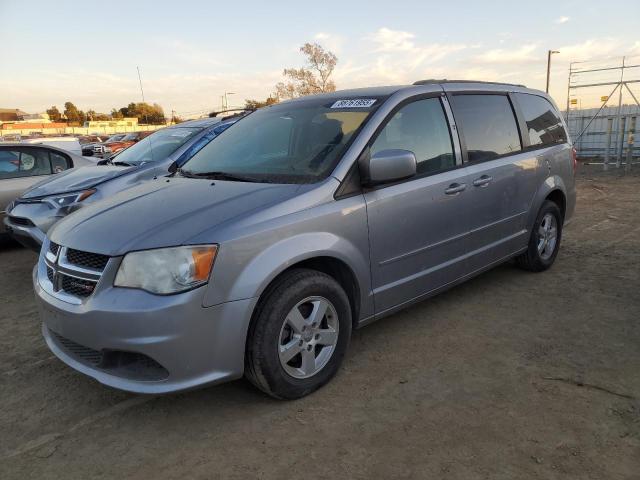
column 28, row 223
column 144, row 343
column 29, row 236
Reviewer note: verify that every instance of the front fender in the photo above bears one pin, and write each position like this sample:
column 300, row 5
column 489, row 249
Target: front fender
column 263, row 268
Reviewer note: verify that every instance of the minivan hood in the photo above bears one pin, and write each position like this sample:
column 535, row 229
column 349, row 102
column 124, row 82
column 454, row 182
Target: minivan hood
column 74, row 180
column 163, row 212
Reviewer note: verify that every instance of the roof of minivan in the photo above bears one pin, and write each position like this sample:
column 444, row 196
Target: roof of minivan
column 385, row 91
column 354, row 92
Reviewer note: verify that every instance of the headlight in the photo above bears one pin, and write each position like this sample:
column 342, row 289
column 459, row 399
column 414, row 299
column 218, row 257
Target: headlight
column 167, row 270
column 69, row 198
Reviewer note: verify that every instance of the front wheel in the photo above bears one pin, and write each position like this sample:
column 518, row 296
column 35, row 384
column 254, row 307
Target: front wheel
column 299, row 336
column 544, row 242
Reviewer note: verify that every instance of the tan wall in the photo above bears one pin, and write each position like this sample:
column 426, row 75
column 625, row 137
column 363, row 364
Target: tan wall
column 82, row 130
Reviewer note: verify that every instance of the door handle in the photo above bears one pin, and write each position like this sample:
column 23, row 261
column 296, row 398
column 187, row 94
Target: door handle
column 483, row 181
column 455, row 188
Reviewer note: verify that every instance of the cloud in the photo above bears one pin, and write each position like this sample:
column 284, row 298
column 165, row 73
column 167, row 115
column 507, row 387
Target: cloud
column 503, row 55
column 592, row 49
column 330, row 41
column 387, row 40
column 562, row 20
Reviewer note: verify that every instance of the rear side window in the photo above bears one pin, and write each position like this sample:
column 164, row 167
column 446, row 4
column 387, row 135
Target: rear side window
column 488, row 126
column 23, row 162
column 59, row 162
column 420, row 127
column 543, row 122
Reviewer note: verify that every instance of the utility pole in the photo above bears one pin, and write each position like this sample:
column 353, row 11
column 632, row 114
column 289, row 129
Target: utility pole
column 226, row 101
column 549, row 53
column 142, row 92
column 140, row 80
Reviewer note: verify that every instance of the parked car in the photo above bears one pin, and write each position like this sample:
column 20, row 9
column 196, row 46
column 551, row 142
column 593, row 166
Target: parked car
column 70, row 144
column 22, row 165
column 111, row 148
column 31, row 215
column 95, row 148
column 88, row 142
column 305, row 220
column 10, row 138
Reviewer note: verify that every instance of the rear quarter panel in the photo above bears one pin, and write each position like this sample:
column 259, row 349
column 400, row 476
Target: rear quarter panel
column 557, row 168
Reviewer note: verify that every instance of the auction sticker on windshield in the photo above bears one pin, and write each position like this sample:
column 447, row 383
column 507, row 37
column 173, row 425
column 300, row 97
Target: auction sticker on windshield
column 355, row 103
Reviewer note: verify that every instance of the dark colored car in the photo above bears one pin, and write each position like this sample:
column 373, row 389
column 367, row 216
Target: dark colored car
column 30, row 216
column 111, row 148
column 95, row 147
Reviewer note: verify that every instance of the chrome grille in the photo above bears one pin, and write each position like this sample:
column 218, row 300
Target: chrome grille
column 87, row 259
column 50, row 274
column 71, row 275
column 77, row 286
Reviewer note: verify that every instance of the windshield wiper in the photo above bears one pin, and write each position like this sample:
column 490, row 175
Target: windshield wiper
column 219, row 176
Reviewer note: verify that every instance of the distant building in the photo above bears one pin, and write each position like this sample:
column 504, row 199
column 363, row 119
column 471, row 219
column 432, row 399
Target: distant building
column 116, row 122
column 11, row 114
column 35, row 117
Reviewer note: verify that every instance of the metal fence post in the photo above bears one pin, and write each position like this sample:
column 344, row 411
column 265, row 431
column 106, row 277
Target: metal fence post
column 622, row 122
column 630, row 141
column 606, row 152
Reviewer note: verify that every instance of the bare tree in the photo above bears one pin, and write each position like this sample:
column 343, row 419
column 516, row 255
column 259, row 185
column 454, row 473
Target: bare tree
column 314, row 78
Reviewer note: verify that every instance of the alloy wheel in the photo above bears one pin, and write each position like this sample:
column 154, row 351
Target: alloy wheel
column 308, row 337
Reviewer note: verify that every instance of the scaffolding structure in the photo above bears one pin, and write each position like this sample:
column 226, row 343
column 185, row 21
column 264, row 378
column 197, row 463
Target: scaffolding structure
column 605, row 132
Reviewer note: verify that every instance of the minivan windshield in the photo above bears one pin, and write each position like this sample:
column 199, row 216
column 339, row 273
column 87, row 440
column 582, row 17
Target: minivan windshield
column 157, row 146
column 293, row 142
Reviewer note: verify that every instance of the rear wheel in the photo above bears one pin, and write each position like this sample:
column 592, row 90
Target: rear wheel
column 299, row 335
column 544, row 241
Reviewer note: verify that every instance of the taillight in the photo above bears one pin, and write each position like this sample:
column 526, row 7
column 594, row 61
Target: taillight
column 574, row 156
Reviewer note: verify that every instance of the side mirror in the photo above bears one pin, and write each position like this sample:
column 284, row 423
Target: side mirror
column 390, row 166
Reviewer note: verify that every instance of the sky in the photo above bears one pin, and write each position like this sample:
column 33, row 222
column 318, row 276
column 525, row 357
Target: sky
column 192, row 52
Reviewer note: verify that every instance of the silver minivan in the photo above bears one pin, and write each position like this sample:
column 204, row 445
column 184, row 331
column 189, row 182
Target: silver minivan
column 305, row 220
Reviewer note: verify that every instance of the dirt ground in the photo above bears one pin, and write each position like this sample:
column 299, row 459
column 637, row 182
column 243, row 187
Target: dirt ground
column 511, row 375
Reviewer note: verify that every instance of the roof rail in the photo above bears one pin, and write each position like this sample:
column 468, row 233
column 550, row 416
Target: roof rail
column 239, row 110
column 444, row 80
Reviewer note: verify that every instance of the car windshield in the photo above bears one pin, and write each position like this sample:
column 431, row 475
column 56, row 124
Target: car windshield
column 293, row 142
column 129, row 137
column 156, row 147
column 115, row 138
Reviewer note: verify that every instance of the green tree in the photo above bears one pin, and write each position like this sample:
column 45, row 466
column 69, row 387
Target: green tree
column 54, row 114
column 250, row 104
column 144, row 112
column 116, row 114
column 72, row 114
column 313, row 78
column 93, row 115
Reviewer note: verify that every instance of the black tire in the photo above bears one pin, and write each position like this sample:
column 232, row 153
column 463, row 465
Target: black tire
column 262, row 362
column 531, row 259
